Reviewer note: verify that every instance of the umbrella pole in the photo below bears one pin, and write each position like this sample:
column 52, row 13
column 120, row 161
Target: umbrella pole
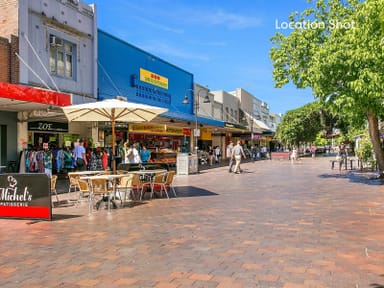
column 113, row 142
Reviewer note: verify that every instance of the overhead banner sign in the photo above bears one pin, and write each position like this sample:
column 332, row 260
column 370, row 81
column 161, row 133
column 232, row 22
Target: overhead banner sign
column 25, row 196
column 153, row 78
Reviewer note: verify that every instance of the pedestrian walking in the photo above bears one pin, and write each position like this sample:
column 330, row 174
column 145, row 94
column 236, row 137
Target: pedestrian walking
column 237, row 152
column 229, row 155
column 294, row 154
column 217, row 154
column 211, row 155
column 80, row 156
column 313, row 151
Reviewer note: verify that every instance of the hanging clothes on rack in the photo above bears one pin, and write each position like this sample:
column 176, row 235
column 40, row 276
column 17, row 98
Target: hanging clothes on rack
column 59, row 160
column 47, row 161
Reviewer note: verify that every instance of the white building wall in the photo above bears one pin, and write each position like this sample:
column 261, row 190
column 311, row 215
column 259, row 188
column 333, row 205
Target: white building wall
column 218, row 110
column 200, row 93
column 74, row 23
column 230, row 104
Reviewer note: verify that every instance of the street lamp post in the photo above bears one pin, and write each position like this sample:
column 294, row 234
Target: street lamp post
column 196, row 105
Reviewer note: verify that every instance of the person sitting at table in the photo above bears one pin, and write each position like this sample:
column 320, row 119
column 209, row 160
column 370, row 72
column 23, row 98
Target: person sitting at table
column 145, row 154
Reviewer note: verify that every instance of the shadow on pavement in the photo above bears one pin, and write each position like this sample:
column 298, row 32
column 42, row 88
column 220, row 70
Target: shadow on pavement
column 374, row 285
column 356, row 177
column 191, row 191
column 56, row 217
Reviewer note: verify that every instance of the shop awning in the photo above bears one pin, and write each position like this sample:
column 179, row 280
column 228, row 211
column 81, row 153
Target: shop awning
column 192, row 119
column 258, row 124
column 235, row 126
column 18, row 98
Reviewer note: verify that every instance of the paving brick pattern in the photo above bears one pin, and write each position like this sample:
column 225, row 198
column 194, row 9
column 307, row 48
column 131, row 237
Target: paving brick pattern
column 277, row 225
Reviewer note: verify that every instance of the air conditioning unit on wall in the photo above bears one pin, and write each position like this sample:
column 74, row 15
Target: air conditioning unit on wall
column 54, row 41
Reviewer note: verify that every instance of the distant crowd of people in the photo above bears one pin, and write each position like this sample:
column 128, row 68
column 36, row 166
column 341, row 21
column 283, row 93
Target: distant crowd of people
column 130, row 152
column 126, row 153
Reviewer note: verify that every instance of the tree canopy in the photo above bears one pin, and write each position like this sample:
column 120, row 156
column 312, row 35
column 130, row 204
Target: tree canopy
column 300, row 125
column 340, row 58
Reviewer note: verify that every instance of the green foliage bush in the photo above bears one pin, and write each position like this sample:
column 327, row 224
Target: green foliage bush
column 365, row 151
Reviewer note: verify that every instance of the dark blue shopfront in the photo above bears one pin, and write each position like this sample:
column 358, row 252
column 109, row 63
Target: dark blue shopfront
column 127, row 71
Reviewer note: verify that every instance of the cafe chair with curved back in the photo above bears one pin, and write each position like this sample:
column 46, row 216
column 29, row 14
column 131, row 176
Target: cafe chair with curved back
column 100, row 187
column 53, row 187
column 125, row 188
column 158, row 183
column 169, row 182
column 84, row 188
column 138, row 185
column 73, row 182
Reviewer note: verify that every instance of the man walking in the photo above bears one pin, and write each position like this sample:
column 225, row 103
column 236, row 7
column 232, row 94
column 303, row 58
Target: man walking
column 80, row 156
column 237, row 152
column 229, row 155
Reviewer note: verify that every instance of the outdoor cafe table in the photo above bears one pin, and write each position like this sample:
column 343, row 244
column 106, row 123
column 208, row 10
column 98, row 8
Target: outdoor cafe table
column 151, row 174
column 84, row 173
column 109, row 177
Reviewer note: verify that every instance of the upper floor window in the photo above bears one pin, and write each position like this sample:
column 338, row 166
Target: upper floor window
column 61, row 57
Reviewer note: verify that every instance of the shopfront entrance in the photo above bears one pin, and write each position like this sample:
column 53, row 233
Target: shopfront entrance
column 40, row 132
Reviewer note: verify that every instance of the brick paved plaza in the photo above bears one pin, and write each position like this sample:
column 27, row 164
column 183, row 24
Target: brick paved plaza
column 276, row 225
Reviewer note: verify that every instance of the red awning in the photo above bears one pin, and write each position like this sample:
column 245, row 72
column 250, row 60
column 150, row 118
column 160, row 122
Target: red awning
column 27, row 94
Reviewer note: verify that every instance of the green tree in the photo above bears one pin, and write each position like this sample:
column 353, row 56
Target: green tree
column 365, row 151
column 300, row 125
column 340, row 59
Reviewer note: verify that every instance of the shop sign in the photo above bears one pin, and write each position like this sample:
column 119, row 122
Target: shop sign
column 25, row 196
column 156, row 129
column 206, row 134
column 44, row 126
column 153, row 78
column 186, row 131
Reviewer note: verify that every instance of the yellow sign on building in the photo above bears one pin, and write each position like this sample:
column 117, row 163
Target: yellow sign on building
column 153, row 78
column 156, row 129
column 206, row 134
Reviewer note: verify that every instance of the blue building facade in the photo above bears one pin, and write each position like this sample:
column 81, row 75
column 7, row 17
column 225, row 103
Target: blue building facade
column 125, row 70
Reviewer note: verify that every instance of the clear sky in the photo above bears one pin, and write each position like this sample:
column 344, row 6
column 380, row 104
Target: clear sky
column 224, row 43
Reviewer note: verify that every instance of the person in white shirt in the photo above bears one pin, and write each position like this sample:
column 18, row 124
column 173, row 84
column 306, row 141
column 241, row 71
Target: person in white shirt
column 229, row 155
column 237, row 152
column 294, row 155
column 132, row 154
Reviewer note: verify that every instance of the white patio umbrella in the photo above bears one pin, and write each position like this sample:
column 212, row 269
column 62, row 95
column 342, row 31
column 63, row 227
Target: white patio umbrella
column 112, row 110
